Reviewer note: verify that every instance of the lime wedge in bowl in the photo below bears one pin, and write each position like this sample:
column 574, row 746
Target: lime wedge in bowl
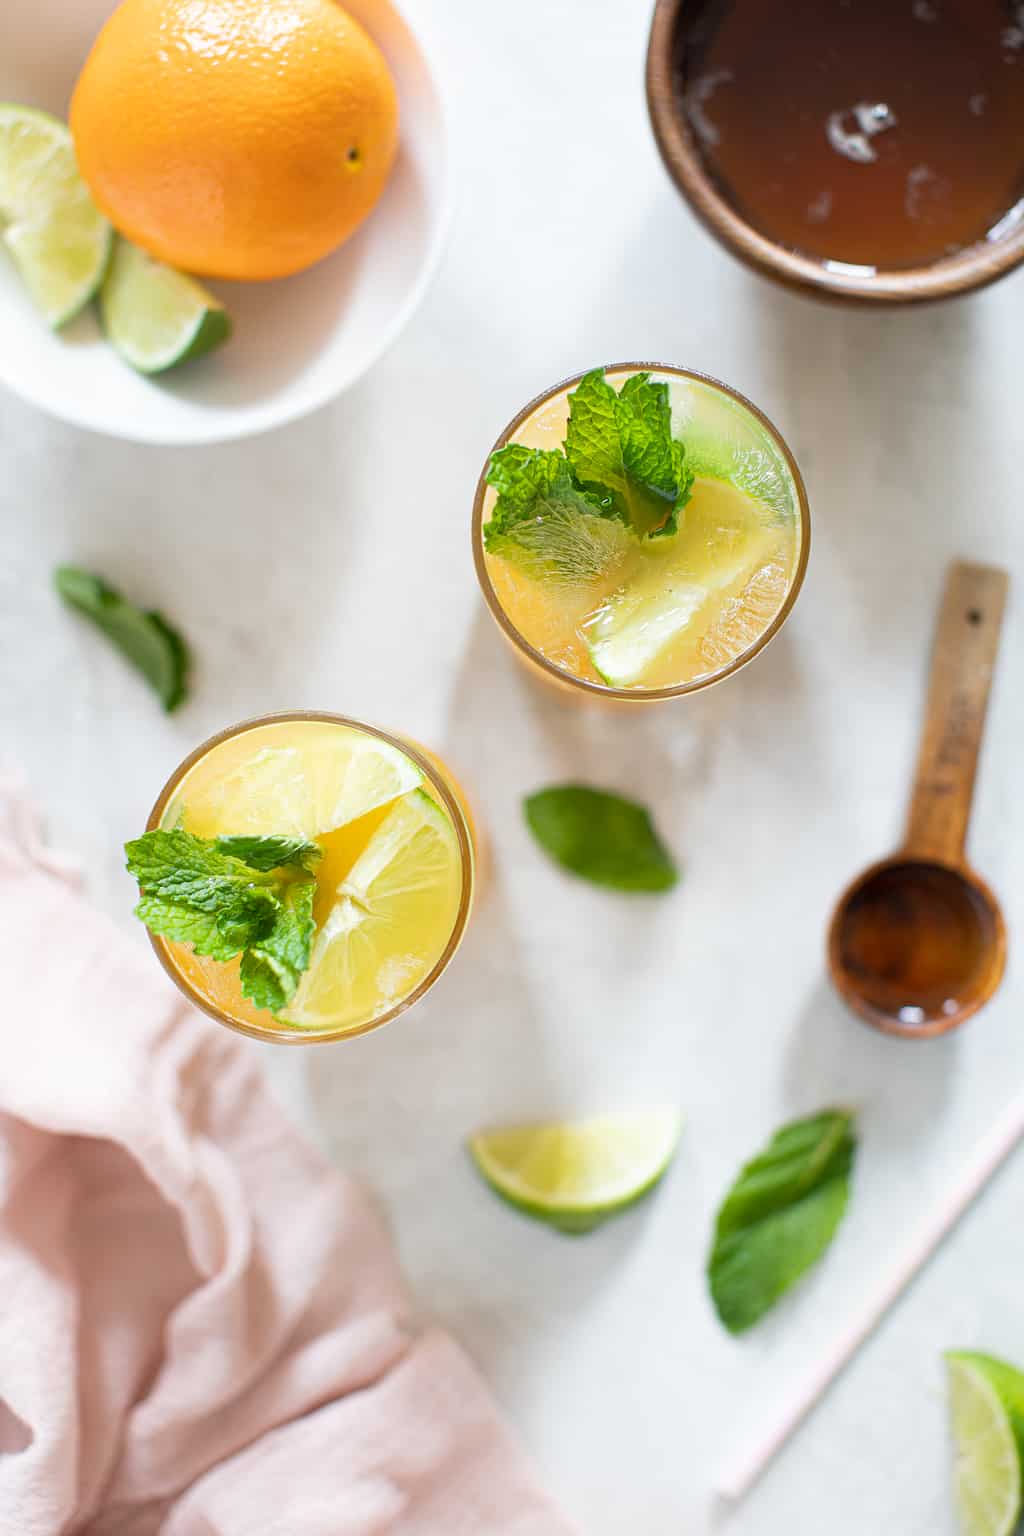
column 574, row 1176
column 57, row 237
column 986, row 1402
column 390, row 921
column 156, row 317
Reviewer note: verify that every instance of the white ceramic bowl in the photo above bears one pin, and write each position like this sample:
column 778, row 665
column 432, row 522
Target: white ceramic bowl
column 297, row 342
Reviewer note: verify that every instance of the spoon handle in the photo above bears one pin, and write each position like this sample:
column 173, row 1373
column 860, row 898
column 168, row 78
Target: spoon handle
column 966, row 643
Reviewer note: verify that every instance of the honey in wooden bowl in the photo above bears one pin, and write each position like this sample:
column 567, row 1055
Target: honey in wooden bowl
column 872, row 136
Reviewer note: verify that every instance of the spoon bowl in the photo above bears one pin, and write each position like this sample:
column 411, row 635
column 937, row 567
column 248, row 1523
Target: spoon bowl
column 917, row 943
column 916, row 947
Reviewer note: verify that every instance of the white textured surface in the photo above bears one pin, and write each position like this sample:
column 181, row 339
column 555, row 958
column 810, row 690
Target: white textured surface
column 329, row 565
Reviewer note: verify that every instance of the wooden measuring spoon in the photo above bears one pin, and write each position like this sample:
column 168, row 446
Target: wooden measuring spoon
column 917, row 943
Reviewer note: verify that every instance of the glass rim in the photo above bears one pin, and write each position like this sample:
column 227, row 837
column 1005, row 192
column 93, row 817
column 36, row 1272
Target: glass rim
column 291, row 1035
column 675, row 690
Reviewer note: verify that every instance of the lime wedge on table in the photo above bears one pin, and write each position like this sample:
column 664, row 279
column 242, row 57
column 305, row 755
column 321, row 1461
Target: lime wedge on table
column 391, row 920
column 156, row 317
column 59, row 240
column 986, row 1401
column 575, row 1175
column 305, row 791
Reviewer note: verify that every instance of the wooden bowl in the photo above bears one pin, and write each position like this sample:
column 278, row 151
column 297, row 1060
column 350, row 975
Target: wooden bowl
column 968, row 269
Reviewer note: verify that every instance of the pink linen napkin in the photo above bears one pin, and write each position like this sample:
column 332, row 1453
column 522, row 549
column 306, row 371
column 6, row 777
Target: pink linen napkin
column 203, row 1328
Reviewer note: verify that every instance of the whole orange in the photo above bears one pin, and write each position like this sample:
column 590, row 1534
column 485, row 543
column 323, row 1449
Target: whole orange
column 235, row 138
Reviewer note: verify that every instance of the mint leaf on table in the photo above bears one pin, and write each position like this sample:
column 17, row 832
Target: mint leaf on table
column 544, row 524
column 198, row 891
column 620, row 448
column 272, row 967
column 602, row 837
column 780, row 1216
column 144, row 637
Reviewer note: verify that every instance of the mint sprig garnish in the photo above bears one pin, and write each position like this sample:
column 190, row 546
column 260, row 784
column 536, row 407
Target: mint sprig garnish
column 544, row 523
column 571, row 514
column 272, row 967
column 523, row 476
column 228, row 896
column 601, row 837
column 219, row 933
column 621, row 449
column 144, row 637
column 272, row 852
column 780, row 1216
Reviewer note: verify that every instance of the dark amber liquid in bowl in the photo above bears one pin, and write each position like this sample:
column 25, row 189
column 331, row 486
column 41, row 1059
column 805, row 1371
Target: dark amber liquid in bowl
column 915, row 940
column 885, row 134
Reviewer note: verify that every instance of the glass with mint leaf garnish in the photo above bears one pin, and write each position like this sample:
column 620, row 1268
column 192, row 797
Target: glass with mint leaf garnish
column 306, row 877
column 640, row 531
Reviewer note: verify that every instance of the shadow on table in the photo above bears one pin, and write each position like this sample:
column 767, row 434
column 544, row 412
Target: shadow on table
column 511, row 733
column 899, row 1089
column 396, row 1107
column 436, row 1072
column 650, row 751
column 888, row 415
column 831, row 1057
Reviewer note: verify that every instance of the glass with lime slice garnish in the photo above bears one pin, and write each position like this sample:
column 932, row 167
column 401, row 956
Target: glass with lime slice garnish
column 306, row 877
column 640, row 531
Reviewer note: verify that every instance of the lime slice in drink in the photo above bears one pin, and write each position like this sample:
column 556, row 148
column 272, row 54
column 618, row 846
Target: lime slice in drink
column 724, row 441
column 59, row 240
column 743, row 619
column 305, row 790
column 392, row 917
column 986, row 1400
column 660, row 605
column 574, row 1176
column 156, row 317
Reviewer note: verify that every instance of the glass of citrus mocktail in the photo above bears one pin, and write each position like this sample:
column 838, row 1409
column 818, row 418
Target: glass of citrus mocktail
column 640, row 532
column 306, row 877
